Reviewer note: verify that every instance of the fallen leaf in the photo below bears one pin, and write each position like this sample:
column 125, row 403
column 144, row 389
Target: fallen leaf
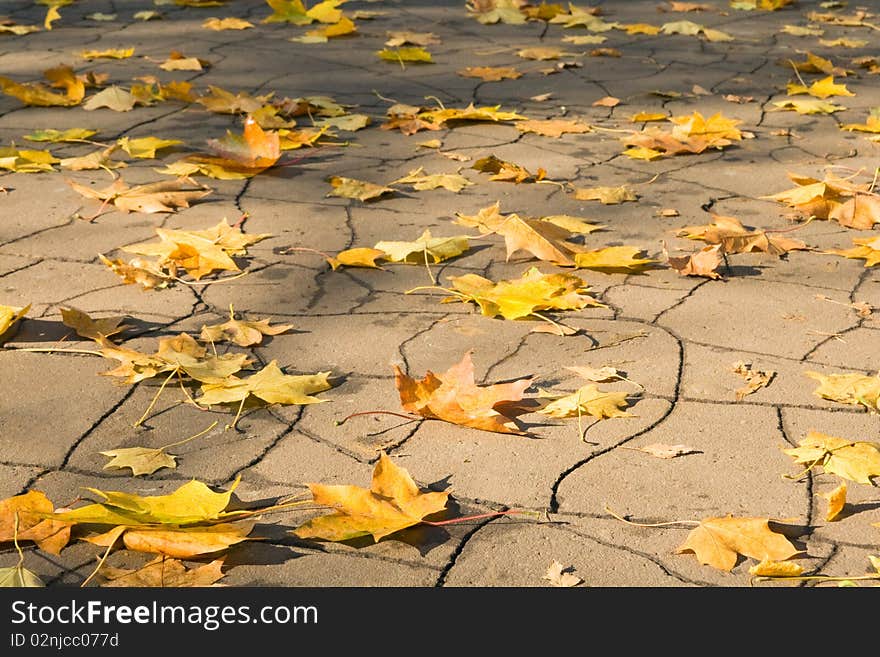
column 733, row 98
column 554, row 127
column 662, row 451
column 850, row 388
column 55, row 136
column 755, row 379
column 357, row 189
column 560, row 576
column 19, row 577
column 180, row 354
column 61, row 77
column 572, row 224
column 607, row 52
column 177, row 61
column 648, row 116
column 587, row 400
column 776, row 569
column 542, row 53
column 690, row 28
column 808, row 106
column 843, row 43
column 242, row 332
column 409, row 54
column 138, row 272
column 198, row 252
column 867, row 248
column 606, row 195
column 111, row 53
column 522, row 297
column 9, row 315
column 504, row 171
column 96, row 160
column 349, row 122
column 141, row 460
column 614, row 259
column 542, row 98
column 702, row 263
column 288, row 11
column 269, row 385
column 357, row 257
column 798, row 30
column 162, row 196
column 765, row 5
column 455, row 397
column 496, row 11
column 163, row 572
column 490, row 73
column 685, row 6
column 227, row 24
column 836, row 501
column 393, row 502
column 30, row 509
column 147, row 15
column 543, row 239
column 425, row 247
column 114, row 98
column 736, row 238
column 607, row 101
column 343, row 27
column 26, row 161
column 225, row 102
column 89, row 328
column 145, row 147
column 857, row 461
column 585, row 40
column 718, row 541
column 397, row 38
column 186, row 523
column 823, row 88
column 421, row 181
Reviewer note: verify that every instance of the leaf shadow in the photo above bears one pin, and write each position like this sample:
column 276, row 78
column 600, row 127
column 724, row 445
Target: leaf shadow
column 855, row 509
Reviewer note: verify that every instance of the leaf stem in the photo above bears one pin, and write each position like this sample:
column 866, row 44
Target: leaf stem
column 654, row 524
column 193, row 437
column 156, row 397
column 52, row 350
column 479, row 516
column 405, row 417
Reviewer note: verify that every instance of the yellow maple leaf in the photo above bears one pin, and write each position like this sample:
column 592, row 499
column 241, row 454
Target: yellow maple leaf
column 717, row 542
column 611, row 259
column 455, row 397
column 857, row 461
column 587, row 400
column 849, row 388
column 393, row 502
column 163, row 572
column 110, row 53
column 867, row 248
column 9, row 315
column 241, row 332
column 836, row 501
column 823, row 88
column 522, row 297
column 424, row 249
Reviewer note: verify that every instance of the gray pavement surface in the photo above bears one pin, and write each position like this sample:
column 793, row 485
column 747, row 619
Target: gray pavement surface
column 676, row 336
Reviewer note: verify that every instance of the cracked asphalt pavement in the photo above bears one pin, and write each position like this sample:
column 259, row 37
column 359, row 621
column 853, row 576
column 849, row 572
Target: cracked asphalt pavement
column 678, row 337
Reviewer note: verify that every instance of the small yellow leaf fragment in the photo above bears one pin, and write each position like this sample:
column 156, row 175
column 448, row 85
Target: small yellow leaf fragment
column 9, row 315
column 357, row 189
column 606, row 195
column 112, row 53
column 227, row 24
column 754, row 379
column 776, row 569
column 836, row 501
column 411, row 54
